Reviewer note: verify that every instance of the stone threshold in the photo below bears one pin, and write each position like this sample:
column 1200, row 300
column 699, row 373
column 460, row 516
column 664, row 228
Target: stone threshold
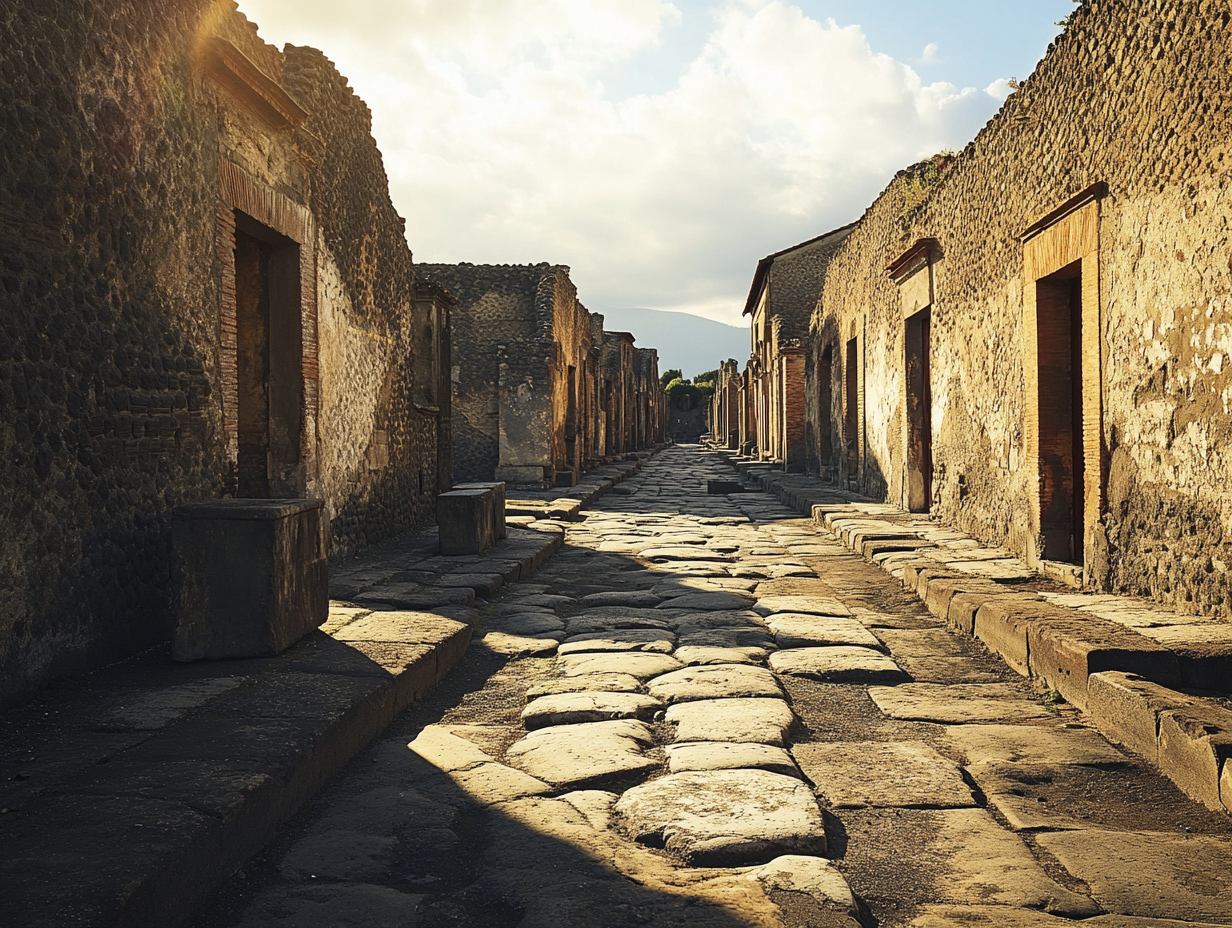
column 1151, row 679
column 128, row 794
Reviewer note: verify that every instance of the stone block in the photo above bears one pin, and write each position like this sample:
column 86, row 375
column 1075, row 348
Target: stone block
column 464, row 518
column 1066, row 647
column 1002, row 623
column 499, row 530
column 723, row 487
column 940, row 592
column 565, row 478
column 1194, row 743
column 252, row 576
column 1126, row 709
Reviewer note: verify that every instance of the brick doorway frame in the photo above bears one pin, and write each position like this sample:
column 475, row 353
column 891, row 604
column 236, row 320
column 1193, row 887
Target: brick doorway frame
column 1065, row 238
column 239, row 191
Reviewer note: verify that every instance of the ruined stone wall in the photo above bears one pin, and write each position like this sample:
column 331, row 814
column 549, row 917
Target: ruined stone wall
column 118, row 152
column 496, row 306
column 377, row 451
column 1136, row 95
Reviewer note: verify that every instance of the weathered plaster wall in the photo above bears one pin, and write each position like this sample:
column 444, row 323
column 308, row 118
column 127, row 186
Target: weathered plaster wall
column 1135, row 94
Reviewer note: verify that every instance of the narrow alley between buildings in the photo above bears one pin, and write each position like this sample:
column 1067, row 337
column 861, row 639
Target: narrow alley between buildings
column 706, row 711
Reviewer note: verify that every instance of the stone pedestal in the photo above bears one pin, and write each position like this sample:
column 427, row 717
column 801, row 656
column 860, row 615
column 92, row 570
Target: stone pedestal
column 498, row 505
column 252, row 576
column 465, row 520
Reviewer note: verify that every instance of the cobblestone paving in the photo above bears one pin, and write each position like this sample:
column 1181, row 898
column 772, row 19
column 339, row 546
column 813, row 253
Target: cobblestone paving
column 703, row 712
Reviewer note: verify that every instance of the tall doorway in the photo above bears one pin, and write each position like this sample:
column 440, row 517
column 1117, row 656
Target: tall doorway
column 825, row 410
column 1061, row 457
column 269, row 353
column 918, row 344
column 851, row 408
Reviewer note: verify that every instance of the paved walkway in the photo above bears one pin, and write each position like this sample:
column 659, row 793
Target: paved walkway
column 704, row 712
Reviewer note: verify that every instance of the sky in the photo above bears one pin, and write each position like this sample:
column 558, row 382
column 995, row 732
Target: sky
column 658, row 148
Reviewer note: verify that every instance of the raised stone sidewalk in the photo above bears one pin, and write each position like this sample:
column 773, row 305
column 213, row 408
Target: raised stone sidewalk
column 126, row 795
column 1151, row 679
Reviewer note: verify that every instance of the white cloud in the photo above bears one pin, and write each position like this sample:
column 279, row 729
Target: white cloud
column 502, row 147
column 929, row 55
column 999, row 90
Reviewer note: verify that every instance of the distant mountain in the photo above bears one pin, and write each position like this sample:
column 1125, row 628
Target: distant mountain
column 688, row 342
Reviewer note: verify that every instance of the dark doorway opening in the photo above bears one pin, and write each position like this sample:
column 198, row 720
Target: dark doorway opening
column 825, row 410
column 269, row 353
column 571, row 419
column 918, row 343
column 1062, row 466
column 851, row 408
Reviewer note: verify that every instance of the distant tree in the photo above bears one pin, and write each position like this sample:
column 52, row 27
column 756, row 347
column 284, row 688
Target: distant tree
column 707, row 377
column 668, row 376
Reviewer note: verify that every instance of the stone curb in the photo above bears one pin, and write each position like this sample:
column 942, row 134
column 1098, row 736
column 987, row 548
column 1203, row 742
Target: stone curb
column 1125, row 681
column 162, row 779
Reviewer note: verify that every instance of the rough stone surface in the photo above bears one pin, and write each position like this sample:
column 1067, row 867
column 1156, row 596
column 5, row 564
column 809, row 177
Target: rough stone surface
column 837, row 665
column 720, row 681
column 1149, row 875
column 904, row 774
column 807, row 605
column 766, row 721
column 986, row 862
column 586, row 683
column 570, row 755
column 718, row 755
column 798, row 630
column 633, row 663
column 930, row 702
column 725, row 817
column 1023, row 744
column 571, row 708
column 633, row 639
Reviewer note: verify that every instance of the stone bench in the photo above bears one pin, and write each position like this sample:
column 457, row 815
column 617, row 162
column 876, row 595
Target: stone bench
column 471, row 517
column 252, row 576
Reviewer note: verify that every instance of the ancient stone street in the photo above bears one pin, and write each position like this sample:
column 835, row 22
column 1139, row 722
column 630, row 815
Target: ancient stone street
column 706, row 711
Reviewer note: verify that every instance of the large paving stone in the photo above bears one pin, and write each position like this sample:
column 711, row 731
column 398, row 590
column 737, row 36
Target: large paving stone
column 586, row 683
column 634, row 663
column 814, row 877
column 693, row 655
column 502, row 643
column 710, row 602
column 720, row 681
column 1013, row 791
column 530, row 624
column 679, row 586
column 907, row 774
column 570, row 755
column 985, row 862
column 719, row 755
column 946, row 670
column 993, row 916
column 634, row 598
column 800, row 630
column 725, row 817
column 809, row 605
column 572, row 708
column 656, row 640
column 1149, row 874
column 726, row 637
column 837, row 665
column 691, row 553
column 611, row 618
column 473, row 770
column 1023, row 744
column 976, row 702
column 766, row 721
